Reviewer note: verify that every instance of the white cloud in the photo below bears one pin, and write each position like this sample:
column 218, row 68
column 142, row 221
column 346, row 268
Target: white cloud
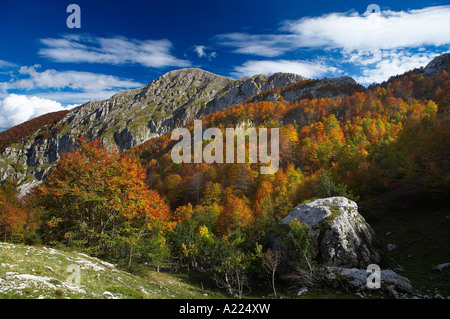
column 67, row 86
column 16, row 109
column 350, row 31
column 306, row 69
column 386, row 63
column 44, row 87
column 69, row 79
column 115, row 50
column 200, row 49
column 266, row 45
column 6, row 64
column 383, row 30
column 201, row 52
column 379, row 44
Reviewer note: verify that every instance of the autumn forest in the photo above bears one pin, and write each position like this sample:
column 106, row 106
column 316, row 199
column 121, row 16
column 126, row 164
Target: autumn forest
column 140, row 208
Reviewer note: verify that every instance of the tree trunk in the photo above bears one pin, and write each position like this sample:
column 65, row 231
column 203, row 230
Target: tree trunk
column 131, row 254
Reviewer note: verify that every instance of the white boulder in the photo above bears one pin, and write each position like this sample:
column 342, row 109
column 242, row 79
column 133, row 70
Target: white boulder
column 341, row 235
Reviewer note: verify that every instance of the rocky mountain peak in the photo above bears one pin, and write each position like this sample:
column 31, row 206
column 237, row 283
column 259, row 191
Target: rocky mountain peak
column 192, row 76
column 437, row 65
column 131, row 117
column 189, row 72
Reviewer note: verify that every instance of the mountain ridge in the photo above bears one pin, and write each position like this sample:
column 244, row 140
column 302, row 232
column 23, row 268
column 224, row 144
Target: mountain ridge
column 131, row 117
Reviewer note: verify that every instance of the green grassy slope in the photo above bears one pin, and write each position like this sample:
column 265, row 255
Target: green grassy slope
column 419, row 234
column 41, row 272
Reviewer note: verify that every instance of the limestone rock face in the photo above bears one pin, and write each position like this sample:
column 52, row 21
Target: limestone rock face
column 437, row 65
column 246, row 88
column 341, row 235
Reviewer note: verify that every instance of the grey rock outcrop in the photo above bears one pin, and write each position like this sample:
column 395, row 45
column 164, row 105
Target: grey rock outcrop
column 340, row 234
column 437, row 65
column 312, row 89
column 246, row 88
column 356, row 279
column 442, row 267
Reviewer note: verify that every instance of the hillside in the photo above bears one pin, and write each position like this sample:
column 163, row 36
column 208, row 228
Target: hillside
column 120, row 196
column 132, row 117
column 28, row 272
column 377, row 135
column 412, row 245
column 18, row 133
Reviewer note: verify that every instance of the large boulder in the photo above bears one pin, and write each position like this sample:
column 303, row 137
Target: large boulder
column 340, row 234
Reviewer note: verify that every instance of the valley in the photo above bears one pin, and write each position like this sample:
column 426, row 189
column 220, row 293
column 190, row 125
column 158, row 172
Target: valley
column 97, row 187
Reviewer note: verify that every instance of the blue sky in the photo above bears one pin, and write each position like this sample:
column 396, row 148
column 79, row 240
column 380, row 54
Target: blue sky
column 46, row 66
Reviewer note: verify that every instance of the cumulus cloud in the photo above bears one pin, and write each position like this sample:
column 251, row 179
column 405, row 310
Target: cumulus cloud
column 46, row 91
column 16, row 109
column 303, row 68
column 382, row 30
column 115, row 50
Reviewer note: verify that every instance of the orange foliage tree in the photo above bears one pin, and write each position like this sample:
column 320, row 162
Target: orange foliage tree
column 356, row 144
column 98, row 200
column 17, row 221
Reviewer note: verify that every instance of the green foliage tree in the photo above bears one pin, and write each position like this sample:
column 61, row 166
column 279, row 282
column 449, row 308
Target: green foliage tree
column 299, row 239
column 326, row 187
column 232, row 265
